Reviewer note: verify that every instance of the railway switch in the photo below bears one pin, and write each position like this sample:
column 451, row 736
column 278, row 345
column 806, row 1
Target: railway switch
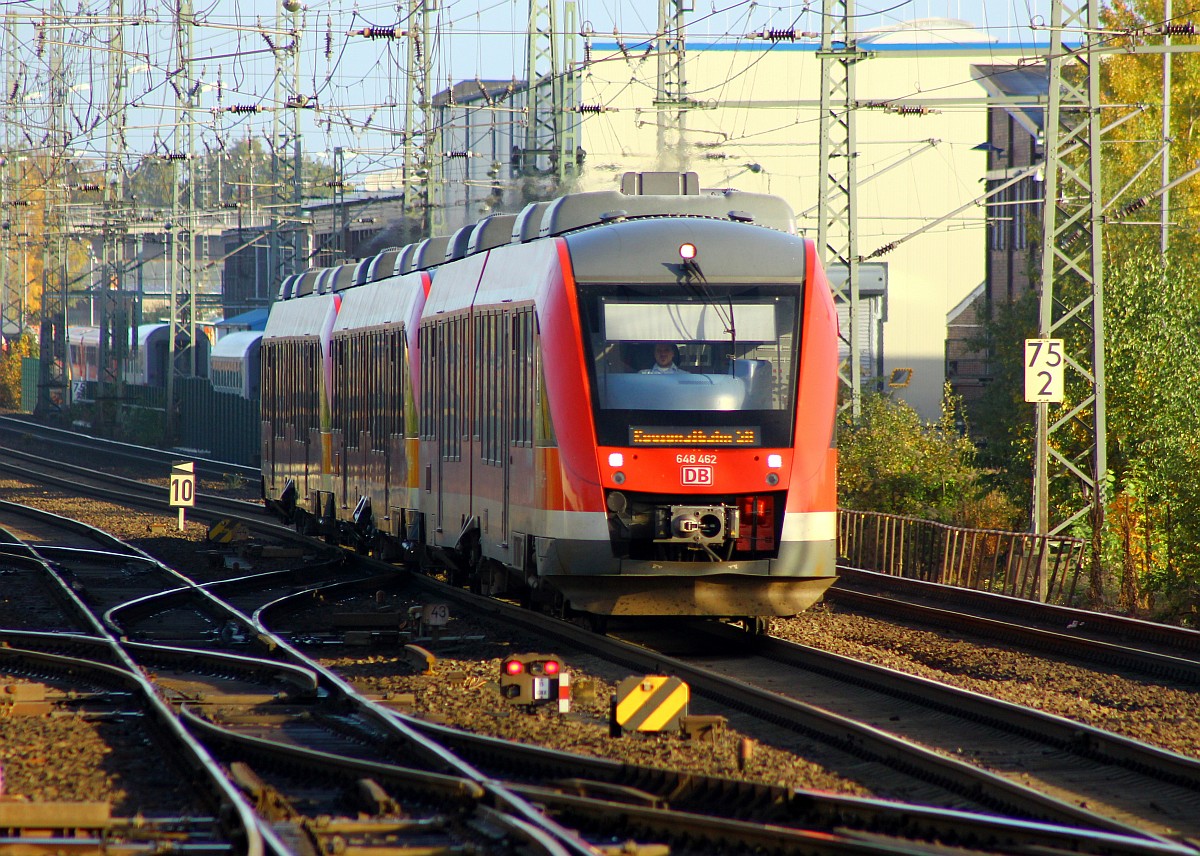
column 534, row 679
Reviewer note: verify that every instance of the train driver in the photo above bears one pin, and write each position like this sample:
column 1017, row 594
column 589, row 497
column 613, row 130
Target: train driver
column 666, row 358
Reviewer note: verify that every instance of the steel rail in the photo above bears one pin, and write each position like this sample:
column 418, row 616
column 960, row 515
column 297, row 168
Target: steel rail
column 191, row 750
column 140, row 454
column 1181, row 641
column 783, row 806
column 1106, row 654
column 438, row 755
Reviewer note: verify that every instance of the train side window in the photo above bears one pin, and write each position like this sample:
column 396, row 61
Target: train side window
column 478, row 427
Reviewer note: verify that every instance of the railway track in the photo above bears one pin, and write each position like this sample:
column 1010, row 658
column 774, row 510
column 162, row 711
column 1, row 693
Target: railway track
column 956, row 749
column 249, row 677
column 1110, row 641
column 867, row 819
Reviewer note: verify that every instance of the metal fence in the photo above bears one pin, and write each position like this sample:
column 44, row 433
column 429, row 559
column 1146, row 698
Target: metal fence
column 990, row 560
column 218, row 425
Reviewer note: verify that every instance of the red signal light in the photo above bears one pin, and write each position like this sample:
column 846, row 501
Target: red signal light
column 551, row 667
column 514, row 667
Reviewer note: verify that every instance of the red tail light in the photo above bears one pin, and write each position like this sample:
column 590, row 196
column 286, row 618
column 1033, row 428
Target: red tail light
column 514, row 667
column 757, row 526
column 551, row 667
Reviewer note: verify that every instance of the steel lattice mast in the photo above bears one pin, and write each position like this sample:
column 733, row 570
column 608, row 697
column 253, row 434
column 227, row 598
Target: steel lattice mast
column 12, row 280
column 180, row 232
column 54, row 377
column 1072, row 292
column 285, row 253
column 417, row 115
column 837, row 225
column 671, row 98
column 551, row 126
column 115, row 321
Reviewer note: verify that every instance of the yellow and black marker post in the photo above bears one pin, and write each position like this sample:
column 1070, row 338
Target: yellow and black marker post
column 650, row 703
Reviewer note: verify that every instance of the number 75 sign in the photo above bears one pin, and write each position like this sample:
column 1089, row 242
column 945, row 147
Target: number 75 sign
column 1044, row 364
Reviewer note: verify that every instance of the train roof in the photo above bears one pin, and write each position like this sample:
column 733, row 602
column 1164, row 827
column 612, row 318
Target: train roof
column 642, row 197
column 299, row 317
column 387, row 302
column 579, row 210
column 649, row 251
column 83, row 334
column 236, row 344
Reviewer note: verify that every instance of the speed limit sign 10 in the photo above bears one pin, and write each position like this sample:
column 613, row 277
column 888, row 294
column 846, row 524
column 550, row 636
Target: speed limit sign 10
column 1044, row 364
column 183, row 485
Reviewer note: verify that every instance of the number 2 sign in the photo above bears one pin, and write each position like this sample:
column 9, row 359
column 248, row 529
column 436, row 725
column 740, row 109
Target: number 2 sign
column 1044, row 363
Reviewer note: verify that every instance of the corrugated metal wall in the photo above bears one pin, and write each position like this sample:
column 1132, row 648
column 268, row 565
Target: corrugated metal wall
column 215, row 424
column 31, row 368
column 218, row 424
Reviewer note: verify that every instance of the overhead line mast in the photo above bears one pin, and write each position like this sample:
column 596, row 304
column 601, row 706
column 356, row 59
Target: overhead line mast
column 12, row 276
column 837, row 221
column 284, row 247
column 51, row 162
column 671, row 90
column 115, row 305
column 418, row 168
column 549, row 147
column 1072, row 292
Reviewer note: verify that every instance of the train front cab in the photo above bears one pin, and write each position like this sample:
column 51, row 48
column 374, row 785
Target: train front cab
column 549, row 460
column 712, row 490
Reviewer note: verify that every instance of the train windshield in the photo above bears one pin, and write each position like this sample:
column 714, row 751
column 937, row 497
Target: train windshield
column 669, row 367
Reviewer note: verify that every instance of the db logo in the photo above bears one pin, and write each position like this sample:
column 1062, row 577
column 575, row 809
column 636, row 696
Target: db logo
column 696, row 475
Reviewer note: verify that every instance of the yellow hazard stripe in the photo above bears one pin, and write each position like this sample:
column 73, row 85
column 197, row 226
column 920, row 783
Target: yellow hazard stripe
column 630, row 705
column 668, row 710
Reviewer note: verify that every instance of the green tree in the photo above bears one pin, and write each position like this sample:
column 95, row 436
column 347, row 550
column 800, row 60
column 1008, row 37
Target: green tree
column 891, row 461
column 1002, row 422
column 1153, row 371
column 10, row 369
column 239, row 174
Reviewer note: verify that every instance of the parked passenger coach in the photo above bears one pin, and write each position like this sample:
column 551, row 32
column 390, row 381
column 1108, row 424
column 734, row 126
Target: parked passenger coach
column 617, row 403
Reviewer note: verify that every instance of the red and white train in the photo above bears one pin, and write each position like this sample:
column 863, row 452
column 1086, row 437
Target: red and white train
column 490, row 401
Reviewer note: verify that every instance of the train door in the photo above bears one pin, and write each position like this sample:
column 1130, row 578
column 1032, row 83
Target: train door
column 504, row 419
column 442, row 415
column 518, row 421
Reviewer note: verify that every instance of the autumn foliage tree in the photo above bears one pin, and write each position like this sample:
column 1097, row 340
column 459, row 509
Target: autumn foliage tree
column 1133, row 92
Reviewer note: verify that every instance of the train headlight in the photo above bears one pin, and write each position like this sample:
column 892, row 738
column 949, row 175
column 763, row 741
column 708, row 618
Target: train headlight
column 616, row 459
column 687, row 252
column 774, row 461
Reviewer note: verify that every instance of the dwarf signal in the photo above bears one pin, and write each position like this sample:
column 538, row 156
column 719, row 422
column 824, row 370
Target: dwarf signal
column 533, row 679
